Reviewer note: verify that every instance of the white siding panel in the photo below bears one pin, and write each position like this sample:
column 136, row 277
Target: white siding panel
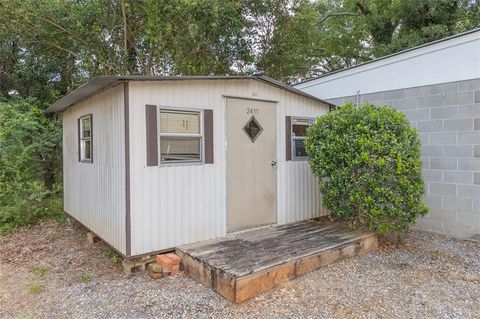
column 94, row 193
column 298, row 192
column 179, row 204
column 175, row 204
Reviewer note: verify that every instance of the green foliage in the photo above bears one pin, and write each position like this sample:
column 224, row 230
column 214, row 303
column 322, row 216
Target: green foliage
column 46, row 52
column 308, row 42
column 396, row 25
column 85, row 278
column 35, row 289
column 368, row 163
column 435, row 254
column 40, row 271
column 112, row 255
column 30, row 165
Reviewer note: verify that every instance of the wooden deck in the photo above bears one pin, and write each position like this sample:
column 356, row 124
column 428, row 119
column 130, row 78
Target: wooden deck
column 243, row 265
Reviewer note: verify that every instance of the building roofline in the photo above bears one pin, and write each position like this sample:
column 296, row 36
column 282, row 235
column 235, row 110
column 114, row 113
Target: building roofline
column 391, row 55
column 100, row 83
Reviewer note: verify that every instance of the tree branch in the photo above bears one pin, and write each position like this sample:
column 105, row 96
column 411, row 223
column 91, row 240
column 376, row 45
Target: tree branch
column 338, row 14
column 363, row 7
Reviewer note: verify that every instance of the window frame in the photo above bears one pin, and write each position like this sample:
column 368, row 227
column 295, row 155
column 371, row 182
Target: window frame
column 81, row 138
column 310, row 120
column 200, row 136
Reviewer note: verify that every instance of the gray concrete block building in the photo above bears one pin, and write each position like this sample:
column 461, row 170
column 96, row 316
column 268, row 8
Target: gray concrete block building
column 437, row 86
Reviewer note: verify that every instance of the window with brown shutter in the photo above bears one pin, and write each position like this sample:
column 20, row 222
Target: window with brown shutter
column 181, row 136
column 296, row 133
column 176, row 135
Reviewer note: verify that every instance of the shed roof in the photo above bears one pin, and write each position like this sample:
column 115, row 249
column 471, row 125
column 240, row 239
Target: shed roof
column 98, row 84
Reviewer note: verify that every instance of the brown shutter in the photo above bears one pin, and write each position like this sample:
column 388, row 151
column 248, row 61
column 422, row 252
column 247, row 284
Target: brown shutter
column 79, row 141
column 208, row 135
column 288, row 138
column 152, row 135
column 91, row 138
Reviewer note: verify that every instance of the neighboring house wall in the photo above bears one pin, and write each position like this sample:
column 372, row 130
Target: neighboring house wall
column 447, row 116
column 94, row 193
column 174, row 205
column 447, row 60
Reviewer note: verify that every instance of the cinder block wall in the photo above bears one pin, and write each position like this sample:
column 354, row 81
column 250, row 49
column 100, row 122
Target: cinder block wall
column 447, row 117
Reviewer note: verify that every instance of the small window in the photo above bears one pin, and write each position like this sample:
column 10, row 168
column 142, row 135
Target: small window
column 181, row 136
column 85, row 142
column 299, row 133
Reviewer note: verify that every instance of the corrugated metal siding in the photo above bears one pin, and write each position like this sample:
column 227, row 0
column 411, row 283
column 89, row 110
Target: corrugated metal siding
column 174, row 205
column 95, row 193
column 298, row 192
column 298, row 195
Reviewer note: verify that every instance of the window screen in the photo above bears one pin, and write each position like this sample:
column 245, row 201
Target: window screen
column 299, row 133
column 181, row 136
column 86, row 138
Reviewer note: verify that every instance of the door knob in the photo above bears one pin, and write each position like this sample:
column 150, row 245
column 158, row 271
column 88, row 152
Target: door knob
column 273, row 163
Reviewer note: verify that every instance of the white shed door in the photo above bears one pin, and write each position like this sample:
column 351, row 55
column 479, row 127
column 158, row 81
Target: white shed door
column 251, row 163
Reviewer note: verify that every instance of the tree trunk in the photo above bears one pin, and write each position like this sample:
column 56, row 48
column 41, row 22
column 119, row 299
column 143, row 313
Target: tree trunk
column 130, row 52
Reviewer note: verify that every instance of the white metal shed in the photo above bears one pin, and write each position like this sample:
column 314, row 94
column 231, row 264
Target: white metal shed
column 151, row 163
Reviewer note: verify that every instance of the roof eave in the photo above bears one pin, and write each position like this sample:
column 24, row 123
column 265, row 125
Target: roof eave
column 98, row 84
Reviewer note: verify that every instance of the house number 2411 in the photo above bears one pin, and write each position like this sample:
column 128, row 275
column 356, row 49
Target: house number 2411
column 252, row 111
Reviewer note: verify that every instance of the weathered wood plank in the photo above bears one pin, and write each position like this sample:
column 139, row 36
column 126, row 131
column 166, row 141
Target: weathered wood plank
column 243, row 265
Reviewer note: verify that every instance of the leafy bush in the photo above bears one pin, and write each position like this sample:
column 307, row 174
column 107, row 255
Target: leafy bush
column 368, row 163
column 30, row 165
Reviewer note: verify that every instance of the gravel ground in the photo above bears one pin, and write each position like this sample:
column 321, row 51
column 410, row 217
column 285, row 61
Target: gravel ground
column 49, row 271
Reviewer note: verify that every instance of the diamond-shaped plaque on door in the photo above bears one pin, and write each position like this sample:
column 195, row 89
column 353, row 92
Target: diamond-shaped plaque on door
column 253, row 129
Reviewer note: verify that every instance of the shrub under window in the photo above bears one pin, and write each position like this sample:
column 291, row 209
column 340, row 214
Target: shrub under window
column 368, row 163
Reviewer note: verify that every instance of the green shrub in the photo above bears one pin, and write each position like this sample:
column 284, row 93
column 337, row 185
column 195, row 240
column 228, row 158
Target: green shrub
column 368, row 163
column 22, row 212
column 30, row 165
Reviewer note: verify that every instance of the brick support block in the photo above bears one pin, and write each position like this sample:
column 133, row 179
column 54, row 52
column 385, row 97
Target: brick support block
column 92, row 238
column 175, row 270
column 154, row 267
column 165, row 262
column 155, row 275
column 155, row 271
column 174, row 258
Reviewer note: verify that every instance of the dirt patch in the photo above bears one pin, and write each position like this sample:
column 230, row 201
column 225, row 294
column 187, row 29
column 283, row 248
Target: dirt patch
column 50, row 271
